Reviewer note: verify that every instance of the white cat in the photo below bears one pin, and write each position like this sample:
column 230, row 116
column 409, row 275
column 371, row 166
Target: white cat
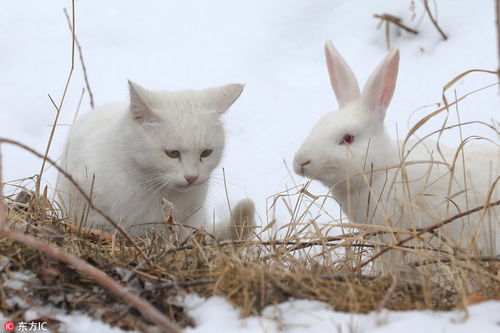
column 161, row 145
column 350, row 152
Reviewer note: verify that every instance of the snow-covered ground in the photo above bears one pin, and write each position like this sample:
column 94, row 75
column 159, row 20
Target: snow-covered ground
column 300, row 316
column 276, row 48
column 215, row 315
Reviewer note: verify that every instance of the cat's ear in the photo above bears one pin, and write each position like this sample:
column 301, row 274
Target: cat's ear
column 221, row 98
column 141, row 112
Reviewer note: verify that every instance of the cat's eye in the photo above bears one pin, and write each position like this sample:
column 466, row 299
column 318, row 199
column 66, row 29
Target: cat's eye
column 347, row 139
column 173, row 153
column 206, row 153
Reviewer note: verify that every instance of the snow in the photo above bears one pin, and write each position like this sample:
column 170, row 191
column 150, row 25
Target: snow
column 276, row 48
column 213, row 314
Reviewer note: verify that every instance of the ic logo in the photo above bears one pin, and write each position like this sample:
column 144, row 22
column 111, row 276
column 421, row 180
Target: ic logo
column 9, row 326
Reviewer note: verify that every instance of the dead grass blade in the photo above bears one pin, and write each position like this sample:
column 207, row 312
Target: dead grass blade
column 433, row 227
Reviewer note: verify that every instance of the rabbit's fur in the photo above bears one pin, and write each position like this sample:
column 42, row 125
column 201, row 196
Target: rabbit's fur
column 351, row 153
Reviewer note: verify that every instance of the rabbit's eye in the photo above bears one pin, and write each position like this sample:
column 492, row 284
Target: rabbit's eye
column 205, row 153
column 347, row 139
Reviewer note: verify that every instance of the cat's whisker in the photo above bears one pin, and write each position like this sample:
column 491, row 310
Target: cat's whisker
column 211, row 183
column 155, row 185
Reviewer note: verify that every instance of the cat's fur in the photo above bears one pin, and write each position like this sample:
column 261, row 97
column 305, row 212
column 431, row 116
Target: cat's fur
column 124, row 147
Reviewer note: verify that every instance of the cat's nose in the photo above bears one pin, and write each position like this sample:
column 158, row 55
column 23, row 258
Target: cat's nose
column 191, row 179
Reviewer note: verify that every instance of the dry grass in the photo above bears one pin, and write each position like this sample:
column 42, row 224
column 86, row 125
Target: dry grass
column 251, row 275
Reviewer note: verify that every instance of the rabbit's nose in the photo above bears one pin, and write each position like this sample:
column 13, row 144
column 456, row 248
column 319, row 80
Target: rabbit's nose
column 302, row 165
column 299, row 163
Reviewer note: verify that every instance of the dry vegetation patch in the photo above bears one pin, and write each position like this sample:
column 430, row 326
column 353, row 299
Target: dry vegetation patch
column 250, row 274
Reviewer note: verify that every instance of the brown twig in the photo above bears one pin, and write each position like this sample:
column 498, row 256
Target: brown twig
column 144, row 307
column 447, row 260
column 388, row 18
column 227, row 196
column 89, row 232
column 498, row 33
column 181, row 284
column 155, row 256
column 433, row 20
column 433, row 227
column 3, row 217
column 287, row 242
column 91, row 96
column 58, row 107
column 79, row 188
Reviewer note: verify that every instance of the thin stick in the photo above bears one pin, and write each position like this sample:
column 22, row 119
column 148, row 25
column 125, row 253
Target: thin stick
column 498, row 33
column 433, row 20
column 79, row 188
column 396, row 21
column 227, row 198
column 447, row 260
column 388, row 34
column 433, row 227
column 181, row 284
column 3, row 217
column 58, row 107
column 78, row 106
column 146, row 261
column 91, row 96
column 85, row 269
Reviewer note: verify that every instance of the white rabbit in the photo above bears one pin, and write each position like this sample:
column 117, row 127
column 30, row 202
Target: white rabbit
column 351, row 153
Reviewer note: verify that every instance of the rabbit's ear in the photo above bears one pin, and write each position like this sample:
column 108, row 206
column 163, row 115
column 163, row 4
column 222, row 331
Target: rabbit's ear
column 344, row 83
column 379, row 88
